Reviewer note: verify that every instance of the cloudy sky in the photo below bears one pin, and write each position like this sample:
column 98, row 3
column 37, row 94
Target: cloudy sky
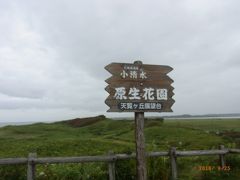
column 53, row 53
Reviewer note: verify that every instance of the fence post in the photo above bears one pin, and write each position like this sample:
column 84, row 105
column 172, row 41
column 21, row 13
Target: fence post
column 173, row 159
column 221, row 156
column 31, row 166
column 111, row 167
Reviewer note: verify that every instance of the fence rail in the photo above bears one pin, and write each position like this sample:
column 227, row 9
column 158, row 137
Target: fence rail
column 111, row 158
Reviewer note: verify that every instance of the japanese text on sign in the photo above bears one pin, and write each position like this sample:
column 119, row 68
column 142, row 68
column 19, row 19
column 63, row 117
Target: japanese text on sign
column 139, row 106
column 133, row 72
column 135, row 94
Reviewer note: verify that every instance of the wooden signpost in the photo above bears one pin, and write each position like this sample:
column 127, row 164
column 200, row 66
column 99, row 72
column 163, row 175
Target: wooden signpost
column 139, row 88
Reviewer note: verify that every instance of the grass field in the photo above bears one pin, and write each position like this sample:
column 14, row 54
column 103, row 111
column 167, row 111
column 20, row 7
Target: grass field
column 96, row 136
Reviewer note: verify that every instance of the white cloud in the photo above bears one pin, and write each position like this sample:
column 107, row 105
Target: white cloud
column 53, row 53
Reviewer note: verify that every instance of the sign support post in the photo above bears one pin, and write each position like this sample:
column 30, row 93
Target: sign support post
column 140, row 146
column 140, row 142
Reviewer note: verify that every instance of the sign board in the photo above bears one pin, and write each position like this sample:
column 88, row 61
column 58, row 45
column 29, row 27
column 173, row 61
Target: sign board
column 139, row 88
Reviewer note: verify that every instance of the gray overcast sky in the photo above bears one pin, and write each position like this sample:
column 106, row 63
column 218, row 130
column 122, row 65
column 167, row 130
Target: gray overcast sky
column 53, row 53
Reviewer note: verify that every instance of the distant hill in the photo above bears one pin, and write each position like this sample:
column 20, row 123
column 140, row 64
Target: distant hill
column 204, row 115
column 81, row 122
column 183, row 116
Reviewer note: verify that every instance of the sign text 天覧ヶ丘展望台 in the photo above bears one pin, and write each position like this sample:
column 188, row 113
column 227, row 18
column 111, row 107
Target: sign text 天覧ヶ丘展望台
column 139, row 106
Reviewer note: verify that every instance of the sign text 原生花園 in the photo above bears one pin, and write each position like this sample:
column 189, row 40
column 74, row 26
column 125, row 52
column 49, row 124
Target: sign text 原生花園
column 134, row 93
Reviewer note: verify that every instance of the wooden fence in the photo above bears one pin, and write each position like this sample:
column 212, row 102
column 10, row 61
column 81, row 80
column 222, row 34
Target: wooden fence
column 111, row 158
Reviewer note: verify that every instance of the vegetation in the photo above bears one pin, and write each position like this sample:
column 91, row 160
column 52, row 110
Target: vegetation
column 98, row 135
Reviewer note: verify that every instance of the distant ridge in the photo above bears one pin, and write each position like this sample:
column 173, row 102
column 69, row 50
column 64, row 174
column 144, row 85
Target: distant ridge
column 204, row 115
column 233, row 115
column 80, row 122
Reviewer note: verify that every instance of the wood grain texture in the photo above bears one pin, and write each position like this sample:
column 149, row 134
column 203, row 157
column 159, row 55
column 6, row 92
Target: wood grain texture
column 155, row 77
column 173, row 159
column 140, row 146
column 116, row 68
column 166, row 106
column 31, row 166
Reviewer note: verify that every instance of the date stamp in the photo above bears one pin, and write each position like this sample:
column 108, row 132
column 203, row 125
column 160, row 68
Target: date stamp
column 213, row 168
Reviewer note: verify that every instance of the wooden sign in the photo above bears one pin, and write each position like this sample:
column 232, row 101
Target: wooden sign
column 139, row 88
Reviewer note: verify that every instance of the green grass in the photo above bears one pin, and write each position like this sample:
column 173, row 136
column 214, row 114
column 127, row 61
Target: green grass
column 63, row 139
column 207, row 124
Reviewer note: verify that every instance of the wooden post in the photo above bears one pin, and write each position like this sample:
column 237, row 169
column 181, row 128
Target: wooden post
column 221, row 156
column 31, row 166
column 173, row 158
column 140, row 146
column 140, row 143
column 111, row 167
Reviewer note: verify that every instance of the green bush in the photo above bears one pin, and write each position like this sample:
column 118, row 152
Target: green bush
column 72, row 171
column 125, row 169
column 158, row 168
column 10, row 172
